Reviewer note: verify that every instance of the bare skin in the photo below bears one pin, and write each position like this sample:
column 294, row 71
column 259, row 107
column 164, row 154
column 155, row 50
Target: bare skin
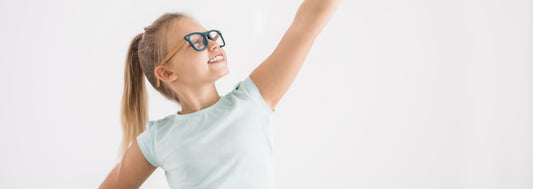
column 275, row 75
column 188, row 73
column 193, row 79
column 131, row 172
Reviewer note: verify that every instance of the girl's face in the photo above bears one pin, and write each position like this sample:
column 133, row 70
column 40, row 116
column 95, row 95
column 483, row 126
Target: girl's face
column 192, row 67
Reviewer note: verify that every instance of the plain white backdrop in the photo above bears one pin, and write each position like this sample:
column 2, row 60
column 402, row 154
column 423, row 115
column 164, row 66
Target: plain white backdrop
column 394, row 94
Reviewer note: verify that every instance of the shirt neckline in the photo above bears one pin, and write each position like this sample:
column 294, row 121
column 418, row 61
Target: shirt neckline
column 199, row 112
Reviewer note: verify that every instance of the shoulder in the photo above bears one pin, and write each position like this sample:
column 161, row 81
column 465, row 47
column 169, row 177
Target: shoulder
column 160, row 122
column 246, row 87
column 247, row 90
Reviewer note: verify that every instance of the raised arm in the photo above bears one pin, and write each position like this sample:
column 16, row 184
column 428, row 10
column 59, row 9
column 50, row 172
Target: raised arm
column 275, row 75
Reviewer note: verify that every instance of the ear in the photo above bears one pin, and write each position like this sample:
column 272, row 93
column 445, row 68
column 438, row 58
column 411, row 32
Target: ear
column 165, row 74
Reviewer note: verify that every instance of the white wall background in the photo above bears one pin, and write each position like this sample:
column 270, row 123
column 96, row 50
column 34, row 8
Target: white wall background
column 394, row 94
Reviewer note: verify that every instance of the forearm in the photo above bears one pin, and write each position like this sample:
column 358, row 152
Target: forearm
column 313, row 15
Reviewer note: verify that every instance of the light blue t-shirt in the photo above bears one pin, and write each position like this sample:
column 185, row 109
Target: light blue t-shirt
column 226, row 145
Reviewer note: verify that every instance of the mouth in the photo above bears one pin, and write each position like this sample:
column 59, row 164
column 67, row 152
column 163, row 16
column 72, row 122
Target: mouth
column 217, row 59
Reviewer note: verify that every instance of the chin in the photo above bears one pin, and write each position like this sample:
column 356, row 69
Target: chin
column 225, row 73
column 222, row 73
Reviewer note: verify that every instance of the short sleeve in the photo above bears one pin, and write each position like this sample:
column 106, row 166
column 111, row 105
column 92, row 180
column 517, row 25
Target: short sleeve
column 146, row 143
column 248, row 88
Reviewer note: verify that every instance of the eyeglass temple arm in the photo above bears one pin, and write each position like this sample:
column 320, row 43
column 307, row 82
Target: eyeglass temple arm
column 170, row 54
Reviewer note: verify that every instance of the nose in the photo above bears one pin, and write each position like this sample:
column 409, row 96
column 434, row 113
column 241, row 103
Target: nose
column 212, row 45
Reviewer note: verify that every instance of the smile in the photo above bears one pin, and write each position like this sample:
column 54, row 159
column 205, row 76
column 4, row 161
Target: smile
column 216, row 59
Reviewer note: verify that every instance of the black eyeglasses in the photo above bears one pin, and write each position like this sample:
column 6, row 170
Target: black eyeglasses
column 198, row 41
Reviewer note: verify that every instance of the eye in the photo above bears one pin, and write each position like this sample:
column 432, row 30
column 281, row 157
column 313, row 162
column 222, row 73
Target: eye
column 198, row 43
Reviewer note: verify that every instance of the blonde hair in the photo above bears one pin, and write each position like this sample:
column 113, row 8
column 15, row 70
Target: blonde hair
column 144, row 54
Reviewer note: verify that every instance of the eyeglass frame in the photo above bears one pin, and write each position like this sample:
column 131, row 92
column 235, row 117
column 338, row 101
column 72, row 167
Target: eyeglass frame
column 187, row 38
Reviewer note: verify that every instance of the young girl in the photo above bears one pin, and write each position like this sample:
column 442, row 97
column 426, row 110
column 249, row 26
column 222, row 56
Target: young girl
column 214, row 141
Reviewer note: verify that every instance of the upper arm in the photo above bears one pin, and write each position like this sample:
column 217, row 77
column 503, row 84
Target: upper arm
column 274, row 76
column 131, row 172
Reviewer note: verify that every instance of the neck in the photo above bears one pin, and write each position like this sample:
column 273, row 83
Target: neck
column 196, row 98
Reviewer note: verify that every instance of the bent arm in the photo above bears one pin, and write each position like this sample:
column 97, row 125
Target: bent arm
column 274, row 76
column 131, row 172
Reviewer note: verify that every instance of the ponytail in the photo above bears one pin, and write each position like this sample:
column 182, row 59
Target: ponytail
column 144, row 54
column 134, row 106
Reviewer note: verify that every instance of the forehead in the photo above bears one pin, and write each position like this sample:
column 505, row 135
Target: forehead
column 181, row 27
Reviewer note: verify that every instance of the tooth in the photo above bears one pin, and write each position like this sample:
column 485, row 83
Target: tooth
column 217, row 58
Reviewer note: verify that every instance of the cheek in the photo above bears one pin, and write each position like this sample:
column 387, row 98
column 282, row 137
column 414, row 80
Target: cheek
column 195, row 63
column 195, row 57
